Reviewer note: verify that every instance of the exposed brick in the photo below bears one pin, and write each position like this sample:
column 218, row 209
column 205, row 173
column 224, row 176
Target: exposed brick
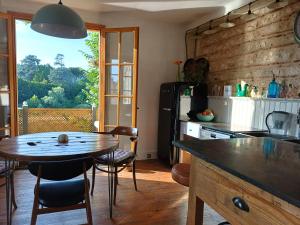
column 252, row 51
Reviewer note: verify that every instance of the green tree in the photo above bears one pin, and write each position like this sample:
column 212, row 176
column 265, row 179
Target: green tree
column 28, row 67
column 92, row 86
column 92, row 75
column 72, row 84
column 56, row 98
column 60, row 76
column 77, row 72
column 42, row 74
column 59, row 60
column 34, row 102
column 26, row 89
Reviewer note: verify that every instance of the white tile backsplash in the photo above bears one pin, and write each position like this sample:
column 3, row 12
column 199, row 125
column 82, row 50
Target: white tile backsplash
column 251, row 112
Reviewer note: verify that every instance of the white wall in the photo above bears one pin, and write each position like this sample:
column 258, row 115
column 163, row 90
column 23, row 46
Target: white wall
column 160, row 44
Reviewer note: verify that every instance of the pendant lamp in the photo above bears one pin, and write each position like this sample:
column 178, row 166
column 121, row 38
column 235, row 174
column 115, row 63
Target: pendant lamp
column 227, row 23
column 250, row 15
column 210, row 29
column 59, row 21
column 278, row 4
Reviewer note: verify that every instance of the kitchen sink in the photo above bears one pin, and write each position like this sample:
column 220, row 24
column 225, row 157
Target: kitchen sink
column 257, row 134
column 297, row 141
column 266, row 134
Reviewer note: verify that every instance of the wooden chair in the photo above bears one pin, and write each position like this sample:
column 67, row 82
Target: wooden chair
column 4, row 173
column 62, row 193
column 122, row 157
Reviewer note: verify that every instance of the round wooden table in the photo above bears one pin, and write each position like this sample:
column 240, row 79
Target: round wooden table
column 45, row 147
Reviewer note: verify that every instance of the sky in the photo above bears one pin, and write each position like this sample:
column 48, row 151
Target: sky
column 47, row 47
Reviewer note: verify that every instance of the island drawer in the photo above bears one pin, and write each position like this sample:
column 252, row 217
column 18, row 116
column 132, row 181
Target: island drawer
column 221, row 190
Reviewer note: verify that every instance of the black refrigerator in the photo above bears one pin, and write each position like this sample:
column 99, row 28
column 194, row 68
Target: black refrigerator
column 168, row 121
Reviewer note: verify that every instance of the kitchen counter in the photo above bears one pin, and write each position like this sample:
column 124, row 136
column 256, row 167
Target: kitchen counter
column 266, row 163
column 223, row 127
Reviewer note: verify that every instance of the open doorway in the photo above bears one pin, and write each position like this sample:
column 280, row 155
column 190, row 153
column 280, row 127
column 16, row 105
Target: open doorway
column 57, row 80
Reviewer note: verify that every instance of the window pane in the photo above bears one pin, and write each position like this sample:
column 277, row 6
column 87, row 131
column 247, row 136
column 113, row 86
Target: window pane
column 125, row 112
column 111, row 114
column 5, row 132
column 3, row 36
column 111, row 48
column 111, row 79
column 4, row 116
column 126, row 80
column 127, row 43
column 4, row 110
column 4, row 99
column 4, row 74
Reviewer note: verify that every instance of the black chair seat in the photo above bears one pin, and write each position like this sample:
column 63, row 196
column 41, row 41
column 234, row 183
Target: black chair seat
column 121, row 157
column 62, row 193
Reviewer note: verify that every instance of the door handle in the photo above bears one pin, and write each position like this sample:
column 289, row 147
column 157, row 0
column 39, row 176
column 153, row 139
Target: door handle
column 166, row 109
column 213, row 136
column 240, row 204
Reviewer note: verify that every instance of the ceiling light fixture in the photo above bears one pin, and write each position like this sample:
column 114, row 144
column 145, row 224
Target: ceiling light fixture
column 227, row 23
column 210, row 29
column 59, row 21
column 278, row 4
column 250, row 15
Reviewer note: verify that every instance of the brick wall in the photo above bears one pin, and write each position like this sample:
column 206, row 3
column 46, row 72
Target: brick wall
column 252, row 51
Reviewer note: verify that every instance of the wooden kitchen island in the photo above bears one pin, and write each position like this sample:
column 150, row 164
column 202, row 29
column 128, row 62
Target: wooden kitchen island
column 252, row 181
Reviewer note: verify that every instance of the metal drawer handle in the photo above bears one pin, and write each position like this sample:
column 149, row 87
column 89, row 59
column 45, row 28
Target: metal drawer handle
column 241, row 204
column 213, row 136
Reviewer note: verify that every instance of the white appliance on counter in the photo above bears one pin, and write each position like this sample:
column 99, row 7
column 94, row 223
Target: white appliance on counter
column 196, row 130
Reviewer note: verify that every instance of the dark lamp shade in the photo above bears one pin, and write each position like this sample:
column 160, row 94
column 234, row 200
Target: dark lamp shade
column 59, row 21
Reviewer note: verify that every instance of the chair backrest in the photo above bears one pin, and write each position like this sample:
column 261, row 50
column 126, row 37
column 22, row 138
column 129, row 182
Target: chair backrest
column 60, row 170
column 126, row 131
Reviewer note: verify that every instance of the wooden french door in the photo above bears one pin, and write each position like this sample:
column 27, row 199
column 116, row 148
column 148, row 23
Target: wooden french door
column 7, row 88
column 118, row 77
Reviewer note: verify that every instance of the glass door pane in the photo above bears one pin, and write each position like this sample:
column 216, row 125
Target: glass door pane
column 112, row 80
column 3, row 36
column 127, row 46
column 126, row 81
column 4, row 84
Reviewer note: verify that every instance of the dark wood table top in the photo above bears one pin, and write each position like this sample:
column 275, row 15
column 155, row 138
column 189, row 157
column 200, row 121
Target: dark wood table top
column 45, row 146
column 267, row 163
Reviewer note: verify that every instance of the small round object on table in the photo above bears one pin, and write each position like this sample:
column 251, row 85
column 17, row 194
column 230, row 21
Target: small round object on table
column 63, row 138
column 181, row 173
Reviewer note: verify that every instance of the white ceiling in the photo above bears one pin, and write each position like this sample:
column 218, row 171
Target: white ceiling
column 175, row 11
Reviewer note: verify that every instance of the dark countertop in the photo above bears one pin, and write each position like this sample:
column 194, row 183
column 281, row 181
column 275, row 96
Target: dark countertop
column 267, row 163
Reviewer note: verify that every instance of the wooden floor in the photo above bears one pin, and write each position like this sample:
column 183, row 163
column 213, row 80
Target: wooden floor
column 159, row 201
